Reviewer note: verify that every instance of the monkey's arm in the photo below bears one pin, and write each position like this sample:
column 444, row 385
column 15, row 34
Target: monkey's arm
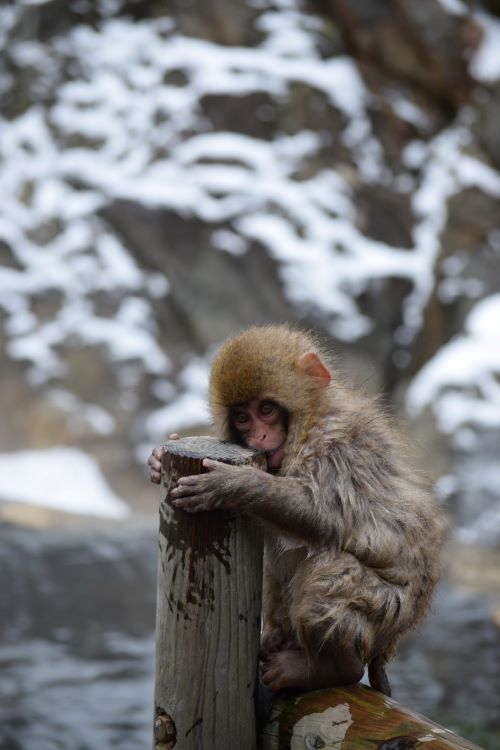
column 317, row 509
column 288, row 503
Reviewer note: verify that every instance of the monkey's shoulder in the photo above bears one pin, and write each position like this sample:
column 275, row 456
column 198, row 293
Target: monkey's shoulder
column 371, row 465
column 349, row 442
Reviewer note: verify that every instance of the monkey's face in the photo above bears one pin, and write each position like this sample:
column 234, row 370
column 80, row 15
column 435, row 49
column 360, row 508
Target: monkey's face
column 262, row 424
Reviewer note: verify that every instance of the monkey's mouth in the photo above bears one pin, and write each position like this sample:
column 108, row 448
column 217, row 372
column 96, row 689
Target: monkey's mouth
column 273, row 451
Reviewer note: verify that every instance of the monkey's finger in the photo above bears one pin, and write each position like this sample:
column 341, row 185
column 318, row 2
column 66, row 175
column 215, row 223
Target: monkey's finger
column 190, row 480
column 211, row 465
column 191, row 485
column 273, row 678
column 155, row 467
column 184, row 502
column 158, row 452
column 174, row 436
column 196, row 504
column 155, row 476
column 184, row 491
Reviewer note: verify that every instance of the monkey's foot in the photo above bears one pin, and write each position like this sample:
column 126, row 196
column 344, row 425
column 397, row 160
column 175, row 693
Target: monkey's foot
column 276, row 640
column 286, row 669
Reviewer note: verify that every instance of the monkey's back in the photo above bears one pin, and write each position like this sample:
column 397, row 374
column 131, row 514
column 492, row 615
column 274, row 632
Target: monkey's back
column 371, row 576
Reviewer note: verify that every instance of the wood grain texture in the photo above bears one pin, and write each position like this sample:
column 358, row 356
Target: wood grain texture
column 356, row 718
column 208, row 613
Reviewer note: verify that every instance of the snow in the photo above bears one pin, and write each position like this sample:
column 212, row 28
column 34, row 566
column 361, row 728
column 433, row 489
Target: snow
column 121, row 131
column 410, row 112
column 308, row 225
column 455, row 7
column 61, row 478
column 446, row 169
column 485, row 63
column 260, row 173
column 81, row 414
column 185, row 410
column 288, row 34
column 460, row 382
column 126, row 336
column 232, row 243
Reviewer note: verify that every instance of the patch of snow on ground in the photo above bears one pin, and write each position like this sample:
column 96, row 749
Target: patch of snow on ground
column 65, row 479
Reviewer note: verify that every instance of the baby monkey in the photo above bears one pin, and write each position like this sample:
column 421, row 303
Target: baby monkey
column 352, row 534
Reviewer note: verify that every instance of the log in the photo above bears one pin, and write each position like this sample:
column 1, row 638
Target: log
column 356, row 718
column 208, row 613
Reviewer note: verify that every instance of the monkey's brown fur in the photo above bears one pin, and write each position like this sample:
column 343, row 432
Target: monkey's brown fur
column 352, row 556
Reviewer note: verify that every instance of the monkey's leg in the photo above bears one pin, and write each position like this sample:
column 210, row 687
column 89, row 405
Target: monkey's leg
column 378, row 676
column 337, row 666
column 276, row 640
column 334, row 611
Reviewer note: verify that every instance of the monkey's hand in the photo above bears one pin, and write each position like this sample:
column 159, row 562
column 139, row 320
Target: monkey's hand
column 287, row 668
column 154, row 461
column 223, row 487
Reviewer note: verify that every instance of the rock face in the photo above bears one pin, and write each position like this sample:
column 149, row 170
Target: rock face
column 173, row 172
column 211, row 293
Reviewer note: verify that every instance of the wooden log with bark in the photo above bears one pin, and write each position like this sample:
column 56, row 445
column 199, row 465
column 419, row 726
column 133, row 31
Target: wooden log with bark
column 355, row 718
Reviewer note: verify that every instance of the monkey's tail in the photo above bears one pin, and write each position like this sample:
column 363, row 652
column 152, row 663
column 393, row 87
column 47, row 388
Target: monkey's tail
column 377, row 675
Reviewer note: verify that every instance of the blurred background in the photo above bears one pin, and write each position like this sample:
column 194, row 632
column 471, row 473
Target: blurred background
column 169, row 173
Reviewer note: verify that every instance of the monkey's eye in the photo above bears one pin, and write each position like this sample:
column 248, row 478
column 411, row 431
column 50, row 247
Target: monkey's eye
column 240, row 417
column 267, row 408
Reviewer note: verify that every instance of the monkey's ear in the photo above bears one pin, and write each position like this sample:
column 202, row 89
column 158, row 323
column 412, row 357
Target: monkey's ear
column 310, row 364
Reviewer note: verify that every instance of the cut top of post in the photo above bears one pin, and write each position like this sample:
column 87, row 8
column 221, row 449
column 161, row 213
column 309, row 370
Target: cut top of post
column 209, row 447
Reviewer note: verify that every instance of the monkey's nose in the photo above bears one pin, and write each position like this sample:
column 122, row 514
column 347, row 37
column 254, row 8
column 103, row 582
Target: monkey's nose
column 259, row 438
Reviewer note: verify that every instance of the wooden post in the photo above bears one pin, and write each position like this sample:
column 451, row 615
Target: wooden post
column 208, row 613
